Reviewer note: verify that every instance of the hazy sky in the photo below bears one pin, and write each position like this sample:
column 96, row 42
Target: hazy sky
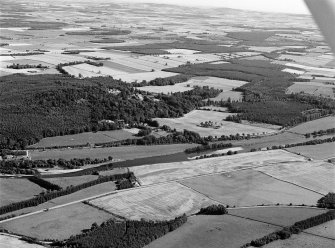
column 286, row 6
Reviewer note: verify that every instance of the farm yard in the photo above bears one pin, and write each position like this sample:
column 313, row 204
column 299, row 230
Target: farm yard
column 192, row 121
column 51, row 224
column 13, row 190
column 158, row 202
column 84, row 138
column 250, row 188
column 321, row 151
column 121, row 153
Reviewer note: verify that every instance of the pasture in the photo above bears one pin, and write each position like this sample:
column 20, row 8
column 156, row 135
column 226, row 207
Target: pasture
column 121, row 153
column 7, row 241
column 250, row 188
column 315, row 125
column 213, row 232
column 191, row 121
column 155, row 173
column 313, row 175
column 326, row 229
column 84, row 138
column 158, row 202
column 225, row 96
column 68, row 181
column 321, row 151
column 58, row 223
column 17, row 189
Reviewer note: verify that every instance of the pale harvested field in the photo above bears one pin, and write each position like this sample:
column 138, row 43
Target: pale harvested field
column 55, row 59
column 292, row 71
column 312, row 88
column 250, row 188
column 124, row 153
column 191, row 120
column 313, row 61
column 155, row 173
column 12, row 242
column 159, row 202
column 218, row 83
column 148, row 76
column 14, row 190
column 317, row 70
column 192, row 58
column 58, row 223
column 302, row 240
column 326, row 229
column 315, row 175
column 233, row 95
column 181, row 51
column 281, row 216
column 68, row 181
column 315, row 125
column 321, row 151
column 213, row 232
column 84, row 138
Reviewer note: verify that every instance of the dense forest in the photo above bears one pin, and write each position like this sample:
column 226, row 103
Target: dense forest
column 33, row 107
column 126, row 234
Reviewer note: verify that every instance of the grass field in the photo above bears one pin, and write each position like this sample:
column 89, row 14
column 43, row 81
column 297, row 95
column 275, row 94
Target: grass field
column 124, row 152
column 312, row 88
column 213, row 232
column 191, row 121
column 249, row 188
column 156, row 173
column 315, row 175
column 321, row 151
column 315, row 125
column 159, row 202
column 282, row 216
column 10, row 242
column 58, row 223
column 326, row 229
column 302, row 240
column 14, row 190
column 84, row 138
column 233, row 95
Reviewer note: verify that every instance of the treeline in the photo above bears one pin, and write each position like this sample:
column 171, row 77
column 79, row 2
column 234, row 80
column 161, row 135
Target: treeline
column 215, row 155
column 328, row 201
column 296, row 228
column 44, row 184
column 124, row 184
column 180, row 78
column 60, row 66
column 126, row 234
column 44, row 197
column 320, row 132
column 30, row 166
column 213, row 210
column 207, row 147
column 26, row 66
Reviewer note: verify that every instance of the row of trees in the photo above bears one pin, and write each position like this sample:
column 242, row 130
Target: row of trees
column 44, row 184
column 180, row 78
column 44, row 197
column 296, row 228
column 216, row 155
column 126, row 234
column 26, row 66
column 320, row 132
column 213, row 210
column 207, row 147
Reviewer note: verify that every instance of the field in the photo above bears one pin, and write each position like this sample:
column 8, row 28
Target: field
column 123, row 153
column 326, row 229
column 315, row 125
column 155, row 173
column 68, row 181
column 191, row 121
column 249, row 188
column 217, row 83
column 302, row 240
column 224, row 96
column 321, row 151
column 314, row 175
column 7, row 241
column 282, row 216
column 213, row 232
column 312, row 88
column 159, row 202
column 58, row 223
column 84, row 138
column 13, row 190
